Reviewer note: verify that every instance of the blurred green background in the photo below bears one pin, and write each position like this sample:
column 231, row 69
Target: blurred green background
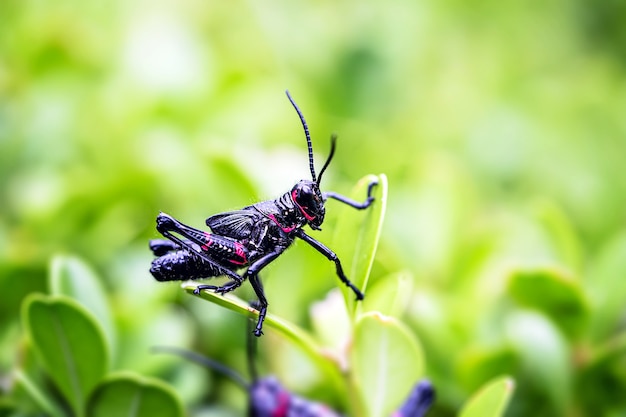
column 500, row 125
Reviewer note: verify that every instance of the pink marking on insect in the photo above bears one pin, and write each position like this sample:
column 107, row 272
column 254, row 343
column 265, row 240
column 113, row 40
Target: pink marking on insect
column 239, row 251
column 209, row 241
column 285, row 229
column 304, row 213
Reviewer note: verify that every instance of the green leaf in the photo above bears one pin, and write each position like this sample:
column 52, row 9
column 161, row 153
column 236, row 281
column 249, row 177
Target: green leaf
column 481, row 364
column 601, row 382
column 491, row 400
column 387, row 361
column 72, row 277
column 231, row 179
column 38, row 398
column 544, row 354
column 287, row 329
column 357, row 233
column 69, row 342
column 130, row 395
column 390, row 295
column 561, row 232
column 554, row 294
column 606, row 289
column 331, row 323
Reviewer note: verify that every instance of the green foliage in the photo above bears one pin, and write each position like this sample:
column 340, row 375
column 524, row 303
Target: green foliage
column 70, row 344
column 558, row 297
column 288, row 330
column 387, row 360
column 131, row 395
column 358, row 236
column 491, row 400
column 69, row 276
column 503, row 247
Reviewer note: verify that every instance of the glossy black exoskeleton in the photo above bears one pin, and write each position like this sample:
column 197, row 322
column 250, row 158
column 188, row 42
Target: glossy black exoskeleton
column 251, row 237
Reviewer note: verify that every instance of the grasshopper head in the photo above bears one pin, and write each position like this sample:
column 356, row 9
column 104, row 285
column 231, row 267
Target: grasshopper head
column 308, row 197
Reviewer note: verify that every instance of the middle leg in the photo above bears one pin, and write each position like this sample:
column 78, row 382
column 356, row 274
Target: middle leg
column 253, row 274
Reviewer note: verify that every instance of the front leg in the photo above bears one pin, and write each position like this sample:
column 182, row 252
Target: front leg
column 332, row 257
column 359, row 206
column 253, row 274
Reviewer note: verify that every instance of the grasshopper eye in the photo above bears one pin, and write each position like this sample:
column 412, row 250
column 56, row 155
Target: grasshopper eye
column 307, row 196
column 306, row 200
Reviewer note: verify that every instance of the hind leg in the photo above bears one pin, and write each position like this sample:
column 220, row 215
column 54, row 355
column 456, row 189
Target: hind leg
column 160, row 247
column 198, row 242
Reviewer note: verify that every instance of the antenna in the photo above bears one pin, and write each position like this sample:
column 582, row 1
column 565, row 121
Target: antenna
column 333, row 144
column 308, row 136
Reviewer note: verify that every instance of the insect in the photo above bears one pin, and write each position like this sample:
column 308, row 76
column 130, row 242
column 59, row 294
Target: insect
column 268, row 398
column 250, row 238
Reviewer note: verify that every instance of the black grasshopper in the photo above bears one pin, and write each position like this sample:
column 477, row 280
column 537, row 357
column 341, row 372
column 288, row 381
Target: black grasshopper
column 267, row 397
column 251, row 237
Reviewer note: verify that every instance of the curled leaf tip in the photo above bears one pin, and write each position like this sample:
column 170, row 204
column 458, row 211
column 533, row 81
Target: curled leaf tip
column 381, row 317
column 510, row 384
